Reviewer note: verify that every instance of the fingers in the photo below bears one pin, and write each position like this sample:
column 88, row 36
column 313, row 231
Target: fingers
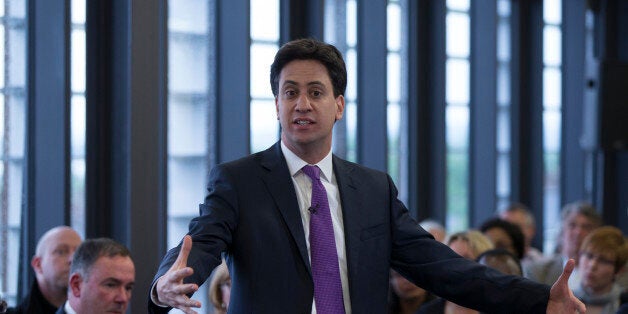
column 564, row 277
column 182, row 258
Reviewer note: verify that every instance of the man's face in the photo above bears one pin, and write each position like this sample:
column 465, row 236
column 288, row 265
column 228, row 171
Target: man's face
column 575, row 228
column 107, row 289
column 53, row 264
column 306, row 107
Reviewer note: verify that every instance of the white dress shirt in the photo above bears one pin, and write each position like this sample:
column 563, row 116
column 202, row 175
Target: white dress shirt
column 68, row 309
column 303, row 187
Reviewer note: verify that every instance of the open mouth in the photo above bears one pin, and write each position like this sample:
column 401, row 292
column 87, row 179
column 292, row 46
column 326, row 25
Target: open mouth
column 303, row 122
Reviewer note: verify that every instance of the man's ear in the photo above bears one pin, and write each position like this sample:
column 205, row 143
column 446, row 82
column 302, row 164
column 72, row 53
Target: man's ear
column 36, row 264
column 75, row 285
column 340, row 107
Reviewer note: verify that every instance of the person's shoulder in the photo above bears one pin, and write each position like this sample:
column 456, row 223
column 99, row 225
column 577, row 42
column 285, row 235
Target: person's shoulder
column 352, row 167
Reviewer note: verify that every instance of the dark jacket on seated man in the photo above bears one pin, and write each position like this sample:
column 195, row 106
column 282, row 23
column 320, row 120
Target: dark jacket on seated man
column 33, row 303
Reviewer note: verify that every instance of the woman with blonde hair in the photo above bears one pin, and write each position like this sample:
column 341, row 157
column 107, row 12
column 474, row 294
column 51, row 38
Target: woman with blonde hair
column 468, row 244
column 220, row 289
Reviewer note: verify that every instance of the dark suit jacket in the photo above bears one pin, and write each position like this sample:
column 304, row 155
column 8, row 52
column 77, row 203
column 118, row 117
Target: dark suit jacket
column 61, row 310
column 251, row 213
column 33, row 303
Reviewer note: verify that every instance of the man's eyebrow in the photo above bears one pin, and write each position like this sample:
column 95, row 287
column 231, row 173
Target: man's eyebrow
column 290, row 82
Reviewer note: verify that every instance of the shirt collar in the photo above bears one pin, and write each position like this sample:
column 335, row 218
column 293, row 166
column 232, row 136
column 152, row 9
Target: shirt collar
column 68, row 308
column 295, row 163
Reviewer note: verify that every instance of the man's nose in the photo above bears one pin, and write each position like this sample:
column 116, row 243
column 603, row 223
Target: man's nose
column 303, row 103
column 123, row 296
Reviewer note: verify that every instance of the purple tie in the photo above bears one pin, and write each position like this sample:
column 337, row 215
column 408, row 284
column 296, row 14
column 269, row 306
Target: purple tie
column 323, row 255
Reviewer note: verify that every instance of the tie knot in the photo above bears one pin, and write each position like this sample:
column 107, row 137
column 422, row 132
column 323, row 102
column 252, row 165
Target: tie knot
column 312, row 171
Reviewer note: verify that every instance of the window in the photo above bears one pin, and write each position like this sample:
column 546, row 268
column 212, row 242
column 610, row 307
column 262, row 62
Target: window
column 457, row 113
column 552, row 89
column 503, row 103
column 397, row 96
column 189, row 72
column 78, row 116
column 13, row 39
column 341, row 31
column 264, row 45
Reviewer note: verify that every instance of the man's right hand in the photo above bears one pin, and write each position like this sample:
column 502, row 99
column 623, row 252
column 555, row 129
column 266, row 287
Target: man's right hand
column 171, row 290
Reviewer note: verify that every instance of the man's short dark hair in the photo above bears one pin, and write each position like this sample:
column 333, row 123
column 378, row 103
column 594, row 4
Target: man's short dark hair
column 311, row 49
column 91, row 250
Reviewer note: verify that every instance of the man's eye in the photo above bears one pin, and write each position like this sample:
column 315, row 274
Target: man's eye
column 316, row 93
column 290, row 93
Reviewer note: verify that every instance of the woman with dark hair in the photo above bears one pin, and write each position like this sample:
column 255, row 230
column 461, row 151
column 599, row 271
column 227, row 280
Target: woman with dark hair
column 220, row 289
column 505, row 235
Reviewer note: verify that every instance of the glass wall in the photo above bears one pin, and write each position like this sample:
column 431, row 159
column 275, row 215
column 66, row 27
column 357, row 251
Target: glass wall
column 13, row 41
column 190, row 61
column 78, row 116
column 457, row 113
column 397, row 150
column 552, row 103
column 264, row 44
column 503, row 103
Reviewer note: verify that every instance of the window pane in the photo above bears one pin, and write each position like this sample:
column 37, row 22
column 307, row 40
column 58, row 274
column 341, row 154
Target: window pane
column 462, row 5
column 262, row 56
column 394, row 27
column 78, row 116
column 13, row 34
column 551, row 134
column 352, row 23
column 552, row 12
column 264, row 20
column 552, row 117
column 503, row 131
column 457, row 81
column 189, row 92
column 394, row 77
column 264, row 124
column 457, row 35
column 552, row 87
column 552, row 45
column 457, row 128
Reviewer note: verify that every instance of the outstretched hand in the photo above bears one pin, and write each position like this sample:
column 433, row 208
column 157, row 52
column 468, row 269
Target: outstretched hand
column 561, row 298
column 171, row 290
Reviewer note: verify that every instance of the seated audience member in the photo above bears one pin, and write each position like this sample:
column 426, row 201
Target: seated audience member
column 468, row 244
column 51, row 264
column 603, row 254
column 101, row 278
column 504, row 235
column 578, row 220
column 502, row 260
column 220, row 289
column 436, row 229
column 405, row 297
column 521, row 216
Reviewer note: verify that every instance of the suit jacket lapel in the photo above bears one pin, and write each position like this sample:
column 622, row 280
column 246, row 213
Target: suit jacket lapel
column 279, row 183
column 351, row 205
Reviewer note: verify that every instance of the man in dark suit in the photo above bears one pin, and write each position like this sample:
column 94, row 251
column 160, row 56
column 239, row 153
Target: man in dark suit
column 263, row 212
